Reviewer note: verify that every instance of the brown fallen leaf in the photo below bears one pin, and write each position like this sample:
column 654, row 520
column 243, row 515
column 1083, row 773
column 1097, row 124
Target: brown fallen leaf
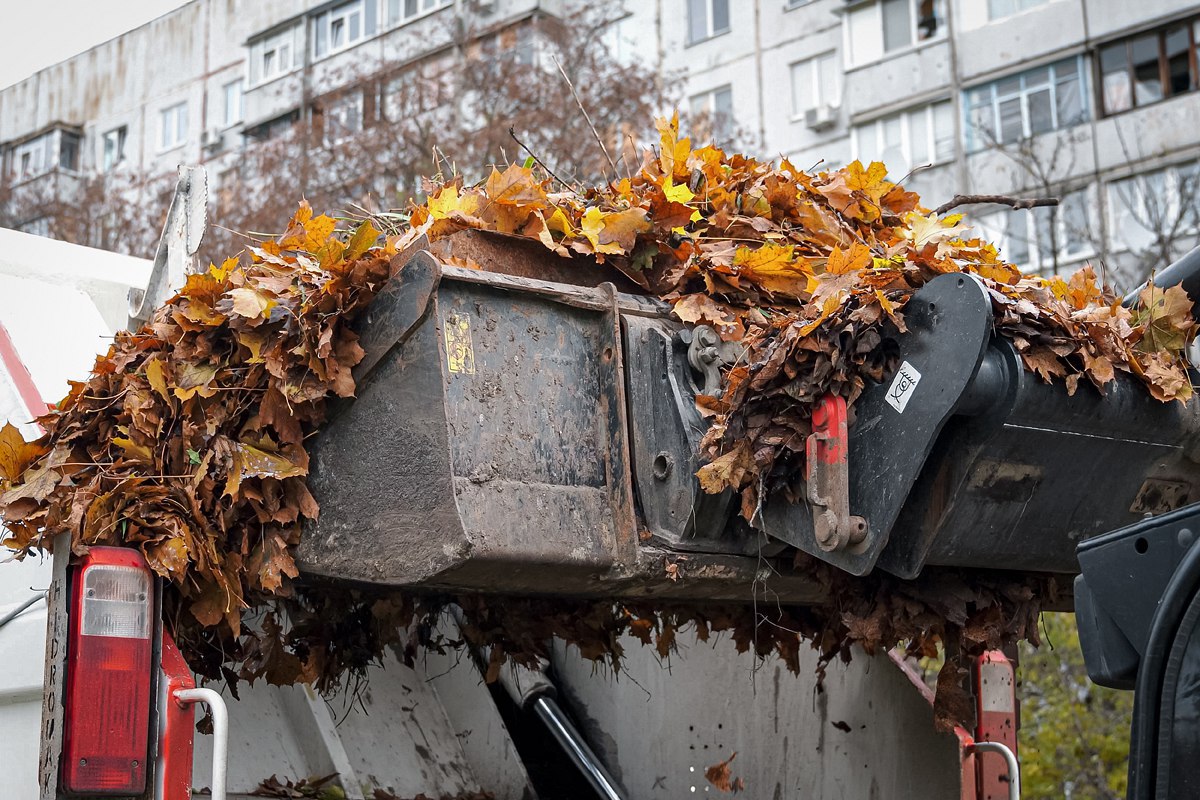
column 721, row 779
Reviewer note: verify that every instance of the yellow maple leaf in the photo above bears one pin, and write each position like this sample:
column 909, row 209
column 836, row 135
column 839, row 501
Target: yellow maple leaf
column 134, row 450
column 591, row 226
column 362, row 240
column 448, row 200
column 157, row 377
column 558, row 222
column 681, row 194
column 831, row 304
column 317, row 231
column 613, row 232
column 674, row 151
column 193, row 379
column 515, row 186
column 677, row 193
column 15, row 453
column 775, row 268
column 890, row 308
column 871, row 181
column 1166, row 316
column 222, row 272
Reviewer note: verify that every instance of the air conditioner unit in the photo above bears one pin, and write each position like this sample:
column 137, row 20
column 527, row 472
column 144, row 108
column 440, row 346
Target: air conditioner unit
column 212, row 139
column 821, row 117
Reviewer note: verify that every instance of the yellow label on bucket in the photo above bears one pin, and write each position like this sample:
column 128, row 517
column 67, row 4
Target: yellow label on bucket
column 460, row 356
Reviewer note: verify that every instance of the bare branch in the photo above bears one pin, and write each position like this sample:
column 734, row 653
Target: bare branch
column 1015, row 203
column 579, row 102
column 550, row 172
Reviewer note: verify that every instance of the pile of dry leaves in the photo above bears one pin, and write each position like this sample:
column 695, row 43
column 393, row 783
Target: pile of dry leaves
column 188, row 440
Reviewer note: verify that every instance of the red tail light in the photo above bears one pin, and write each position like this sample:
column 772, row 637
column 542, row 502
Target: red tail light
column 109, row 670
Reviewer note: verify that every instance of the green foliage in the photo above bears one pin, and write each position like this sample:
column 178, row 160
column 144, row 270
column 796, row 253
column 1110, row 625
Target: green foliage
column 1074, row 736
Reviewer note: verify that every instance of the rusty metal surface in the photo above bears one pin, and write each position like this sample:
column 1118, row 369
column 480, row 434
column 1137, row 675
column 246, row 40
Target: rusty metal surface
column 525, row 258
column 489, row 449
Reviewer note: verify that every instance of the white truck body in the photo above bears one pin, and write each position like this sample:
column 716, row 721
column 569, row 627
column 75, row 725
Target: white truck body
column 58, row 302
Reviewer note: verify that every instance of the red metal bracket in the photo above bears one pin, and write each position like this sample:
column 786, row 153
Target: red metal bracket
column 996, row 719
column 827, row 474
column 176, row 726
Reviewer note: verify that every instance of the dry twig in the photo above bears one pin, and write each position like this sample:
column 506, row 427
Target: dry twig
column 1015, row 203
column 591, row 125
column 513, row 133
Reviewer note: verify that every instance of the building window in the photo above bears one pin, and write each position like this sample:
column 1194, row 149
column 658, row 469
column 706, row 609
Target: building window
column 343, row 118
column 1030, row 238
column 32, row 158
column 281, row 127
column 816, row 82
column 56, row 149
column 1149, row 67
column 401, row 11
column 275, row 55
column 113, row 148
column 711, row 114
column 998, row 9
column 344, row 26
column 68, row 150
column 889, row 26
column 706, row 19
column 172, row 126
column 1036, row 101
column 232, row 92
column 620, row 39
column 909, row 139
column 1147, row 208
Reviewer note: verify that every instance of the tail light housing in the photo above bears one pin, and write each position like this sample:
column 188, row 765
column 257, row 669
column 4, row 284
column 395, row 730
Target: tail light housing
column 110, row 661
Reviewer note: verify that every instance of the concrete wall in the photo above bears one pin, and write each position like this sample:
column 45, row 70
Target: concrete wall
column 1037, row 33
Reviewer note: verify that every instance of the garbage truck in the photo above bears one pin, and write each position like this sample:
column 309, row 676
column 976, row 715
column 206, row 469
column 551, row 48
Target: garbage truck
column 524, row 429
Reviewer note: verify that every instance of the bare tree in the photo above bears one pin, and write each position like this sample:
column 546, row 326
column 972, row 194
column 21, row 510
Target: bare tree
column 1158, row 210
column 488, row 98
column 100, row 210
column 1154, row 213
column 369, row 142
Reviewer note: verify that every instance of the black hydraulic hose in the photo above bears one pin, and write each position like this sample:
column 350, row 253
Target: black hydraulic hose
column 577, row 750
column 10, row 616
column 1185, row 272
column 531, row 687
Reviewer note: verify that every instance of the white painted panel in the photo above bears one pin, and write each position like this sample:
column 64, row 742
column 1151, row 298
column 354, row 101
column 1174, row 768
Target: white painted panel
column 868, row 734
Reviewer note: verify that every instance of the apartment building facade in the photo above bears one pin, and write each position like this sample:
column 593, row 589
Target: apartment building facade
column 1087, row 100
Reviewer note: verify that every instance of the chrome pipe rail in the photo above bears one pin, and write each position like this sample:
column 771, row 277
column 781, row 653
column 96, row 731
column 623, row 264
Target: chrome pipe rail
column 220, row 716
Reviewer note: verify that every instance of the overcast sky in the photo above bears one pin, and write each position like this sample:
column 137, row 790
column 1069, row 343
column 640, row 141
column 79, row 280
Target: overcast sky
column 54, row 30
